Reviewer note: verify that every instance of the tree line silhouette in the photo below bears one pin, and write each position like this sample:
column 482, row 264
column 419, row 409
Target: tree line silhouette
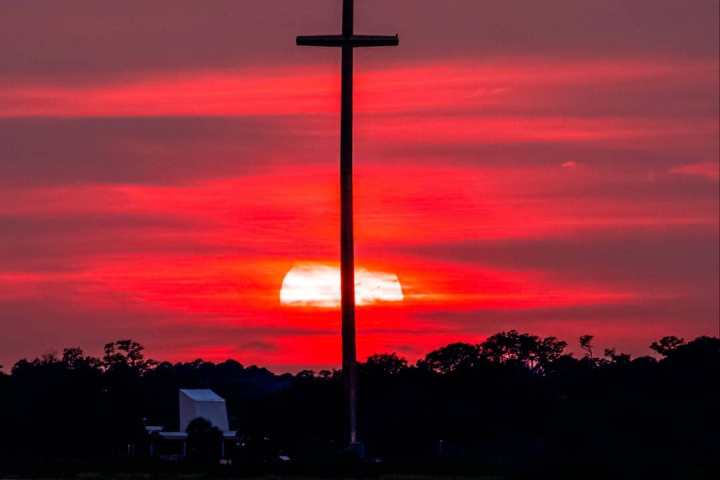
column 515, row 402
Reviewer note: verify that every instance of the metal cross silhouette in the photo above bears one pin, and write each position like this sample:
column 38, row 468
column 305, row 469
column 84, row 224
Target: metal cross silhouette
column 347, row 42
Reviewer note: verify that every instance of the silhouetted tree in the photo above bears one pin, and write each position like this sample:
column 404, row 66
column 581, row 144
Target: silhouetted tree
column 305, row 375
column 586, row 345
column 451, row 358
column 204, row 442
column 384, row 364
column 75, row 359
column 529, row 350
column 666, row 345
column 126, row 354
column 617, row 358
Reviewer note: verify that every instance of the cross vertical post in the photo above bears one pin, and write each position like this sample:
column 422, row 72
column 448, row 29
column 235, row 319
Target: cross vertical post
column 347, row 237
column 347, row 42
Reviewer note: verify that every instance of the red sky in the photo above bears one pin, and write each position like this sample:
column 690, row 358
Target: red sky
column 545, row 166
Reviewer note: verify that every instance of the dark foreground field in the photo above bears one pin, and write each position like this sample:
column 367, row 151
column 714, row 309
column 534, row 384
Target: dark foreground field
column 515, row 406
column 264, row 477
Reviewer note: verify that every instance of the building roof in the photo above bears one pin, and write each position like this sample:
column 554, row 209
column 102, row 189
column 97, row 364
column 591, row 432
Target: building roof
column 205, row 404
column 202, row 395
column 173, row 435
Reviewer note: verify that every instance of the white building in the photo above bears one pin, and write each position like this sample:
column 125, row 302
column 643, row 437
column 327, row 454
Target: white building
column 196, row 403
column 203, row 404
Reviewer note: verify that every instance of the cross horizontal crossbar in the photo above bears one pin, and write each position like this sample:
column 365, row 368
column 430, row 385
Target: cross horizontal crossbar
column 352, row 41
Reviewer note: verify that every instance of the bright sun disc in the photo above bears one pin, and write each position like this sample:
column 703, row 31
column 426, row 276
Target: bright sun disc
column 319, row 286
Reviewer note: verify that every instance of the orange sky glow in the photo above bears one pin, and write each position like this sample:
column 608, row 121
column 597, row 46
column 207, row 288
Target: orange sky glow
column 191, row 202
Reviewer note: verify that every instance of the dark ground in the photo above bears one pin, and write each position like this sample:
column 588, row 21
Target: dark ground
column 515, row 406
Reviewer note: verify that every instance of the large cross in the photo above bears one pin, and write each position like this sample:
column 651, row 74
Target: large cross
column 347, row 42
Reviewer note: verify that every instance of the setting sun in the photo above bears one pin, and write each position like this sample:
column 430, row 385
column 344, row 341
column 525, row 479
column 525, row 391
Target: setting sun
column 316, row 285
